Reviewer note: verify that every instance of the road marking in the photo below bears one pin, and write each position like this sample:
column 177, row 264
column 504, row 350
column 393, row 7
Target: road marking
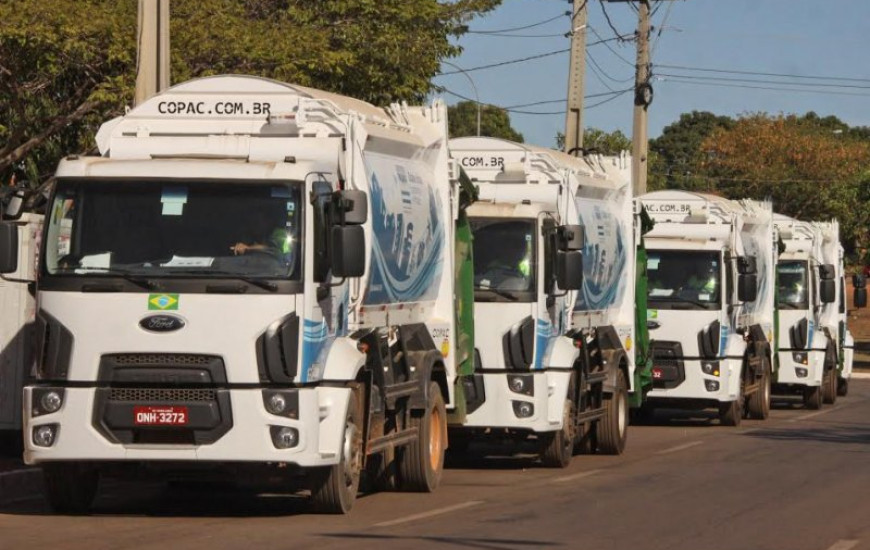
column 861, row 375
column 430, row 513
column 679, row 447
column 572, row 477
column 812, row 415
column 844, row 545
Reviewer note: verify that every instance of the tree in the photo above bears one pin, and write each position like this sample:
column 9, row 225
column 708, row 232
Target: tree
column 494, row 121
column 677, row 155
column 809, row 171
column 66, row 67
column 606, row 143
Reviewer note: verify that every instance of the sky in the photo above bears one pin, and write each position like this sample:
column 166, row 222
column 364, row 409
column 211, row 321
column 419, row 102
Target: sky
column 826, row 40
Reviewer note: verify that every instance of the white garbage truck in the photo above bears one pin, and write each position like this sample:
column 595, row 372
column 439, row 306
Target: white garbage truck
column 815, row 355
column 17, row 317
column 252, row 277
column 552, row 344
column 711, row 315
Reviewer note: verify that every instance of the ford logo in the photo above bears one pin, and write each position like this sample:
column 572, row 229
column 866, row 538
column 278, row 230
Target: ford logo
column 161, row 323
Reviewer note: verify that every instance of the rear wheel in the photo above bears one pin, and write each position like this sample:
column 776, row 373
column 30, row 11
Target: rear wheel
column 813, row 397
column 613, row 428
column 70, row 487
column 335, row 488
column 421, row 463
column 759, row 402
column 842, row 387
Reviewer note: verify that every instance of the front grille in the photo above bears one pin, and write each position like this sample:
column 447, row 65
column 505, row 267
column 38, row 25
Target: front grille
column 161, row 359
column 141, row 395
column 666, row 362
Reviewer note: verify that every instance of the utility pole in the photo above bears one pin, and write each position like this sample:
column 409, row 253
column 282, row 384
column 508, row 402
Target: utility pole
column 152, row 47
column 642, row 99
column 576, row 78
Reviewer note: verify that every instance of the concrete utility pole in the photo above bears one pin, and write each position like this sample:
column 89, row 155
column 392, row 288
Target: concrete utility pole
column 642, row 98
column 576, row 78
column 152, row 49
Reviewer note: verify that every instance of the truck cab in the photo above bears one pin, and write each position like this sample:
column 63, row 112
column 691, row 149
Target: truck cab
column 710, row 271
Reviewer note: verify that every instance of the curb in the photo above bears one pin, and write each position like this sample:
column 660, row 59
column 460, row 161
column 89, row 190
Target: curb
column 17, row 485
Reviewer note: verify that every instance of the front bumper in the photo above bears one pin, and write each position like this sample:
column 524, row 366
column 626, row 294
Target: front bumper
column 320, row 424
column 788, row 373
column 694, row 384
column 500, row 409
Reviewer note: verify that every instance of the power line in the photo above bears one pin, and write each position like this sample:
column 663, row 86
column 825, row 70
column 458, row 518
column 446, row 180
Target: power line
column 508, row 35
column 759, row 81
column 756, row 73
column 516, row 108
column 538, row 24
column 601, row 40
column 596, row 70
column 773, row 88
column 595, row 63
column 618, row 34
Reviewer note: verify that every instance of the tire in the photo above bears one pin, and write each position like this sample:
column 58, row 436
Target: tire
column 421, row 464
column 759, row 402
column 335, row 488
column 842, row 387
column 813, row 397
column 829, row 386
column 70, row 487
column 557, row 448
column 613, row 428
column 731, row 412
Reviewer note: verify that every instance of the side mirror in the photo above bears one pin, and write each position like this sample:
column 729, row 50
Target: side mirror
column 827, row 291
column 859, row 299
column 348, row 251
column 826, row 271
column 14, row 205
column 858, row 281
column 8, row 248
column 354, row 206
column 569, row 269
column 746, row 265
column 747, row 287
column 571, row 237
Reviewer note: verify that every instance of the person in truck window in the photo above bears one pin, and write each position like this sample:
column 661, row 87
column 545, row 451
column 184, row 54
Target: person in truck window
column 269, row 239
column 702, row 281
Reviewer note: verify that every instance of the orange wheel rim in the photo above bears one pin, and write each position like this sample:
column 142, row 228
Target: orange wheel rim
column 435, row 439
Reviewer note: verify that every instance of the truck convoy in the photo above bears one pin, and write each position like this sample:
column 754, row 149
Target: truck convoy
column 815, row 347
column 711, row 265
column 554, row 356
column 251, row 275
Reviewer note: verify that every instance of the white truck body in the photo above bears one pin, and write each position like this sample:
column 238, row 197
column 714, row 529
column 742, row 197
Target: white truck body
column 701, row 333
column 250, row 331
column 516, row 307
column 17, row 314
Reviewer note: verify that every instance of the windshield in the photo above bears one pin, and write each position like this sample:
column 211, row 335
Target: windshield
column 504, row 259
column 792, row 285
column 158, row 228
column 684, row 279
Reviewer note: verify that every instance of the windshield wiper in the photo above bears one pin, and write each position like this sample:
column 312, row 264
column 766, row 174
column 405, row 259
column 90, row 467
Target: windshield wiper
column 500, row 292
column 700, row 304
column 256, row 281
column 147, row 284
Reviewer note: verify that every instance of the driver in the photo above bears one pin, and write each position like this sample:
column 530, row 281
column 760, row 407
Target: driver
column 703, row 280
column 278, row 240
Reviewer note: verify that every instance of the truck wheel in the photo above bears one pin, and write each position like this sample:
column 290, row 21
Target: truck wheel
column 842, row 387
column 813, row 397
column 335, row 487
column 422, row 462
column 759, row 402
column 731, row 412
column 829, row 386
column 557, row 448
column 70, row 487
column 613, row 428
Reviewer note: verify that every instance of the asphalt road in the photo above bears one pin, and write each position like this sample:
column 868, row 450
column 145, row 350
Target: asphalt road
column 800, row 480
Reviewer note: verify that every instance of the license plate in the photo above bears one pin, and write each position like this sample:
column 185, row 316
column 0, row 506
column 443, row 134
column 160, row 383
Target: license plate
column 160, row 416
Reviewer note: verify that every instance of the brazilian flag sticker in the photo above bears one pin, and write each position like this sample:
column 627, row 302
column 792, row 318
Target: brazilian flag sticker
column 162, row 302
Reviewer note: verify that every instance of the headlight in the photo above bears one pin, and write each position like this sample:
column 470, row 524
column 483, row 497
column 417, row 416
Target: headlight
column 523, row 409
column 47, row 400
column 801, row 372
column 710, row 367
column 524, row 384
column 799, row 357
column 282, row 402
column 44, row 436
column 711, row 385
column 284, row 437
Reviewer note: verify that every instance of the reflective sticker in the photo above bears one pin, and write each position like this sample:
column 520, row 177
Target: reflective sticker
column 162, row 302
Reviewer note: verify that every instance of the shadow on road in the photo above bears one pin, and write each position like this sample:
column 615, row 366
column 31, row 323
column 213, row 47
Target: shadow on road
column 828, row 434
column 466, row 542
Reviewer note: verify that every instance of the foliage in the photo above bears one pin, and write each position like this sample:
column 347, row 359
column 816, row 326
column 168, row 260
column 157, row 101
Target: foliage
column 677, row 155
column 494, row 122
column 809, row 171
column 65, row 69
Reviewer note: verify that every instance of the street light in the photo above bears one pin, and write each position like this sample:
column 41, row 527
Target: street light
column 473, row 87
